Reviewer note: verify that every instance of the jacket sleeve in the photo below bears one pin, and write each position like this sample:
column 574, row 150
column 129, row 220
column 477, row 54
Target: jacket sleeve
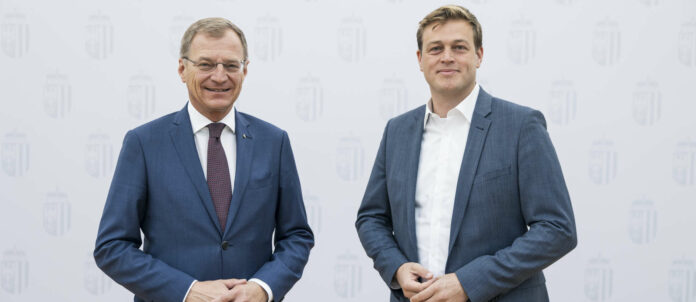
column 293, row 236
column 374, row 221
column 117, row 250
column 547, row 211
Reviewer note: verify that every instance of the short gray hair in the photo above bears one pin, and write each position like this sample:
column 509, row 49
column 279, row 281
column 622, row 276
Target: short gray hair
column 213, row 27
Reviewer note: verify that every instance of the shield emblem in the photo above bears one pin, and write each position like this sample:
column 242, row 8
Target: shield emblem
column 314, row 213
column 57, row 95
column 99, row 43
column 309, row 105
column 682, row 281
column 646, row 103
column 603, row 159
column 98, row 155
column 684, row 163
column 347, row 276
column 521, row 42
column 14, row 271
column 687, row 44
column 141, row 97
column 393, row 98
column 15, row 154
column 598, row 280
column 642, row 222
column 268, row 39
column 563, row 102
column 349, row 161
column 95, row 281
column 14, row 35
column 606, row 46
column 351, row 40
column 56, row 213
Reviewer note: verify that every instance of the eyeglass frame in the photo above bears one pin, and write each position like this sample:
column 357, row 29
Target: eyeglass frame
column 214, row 66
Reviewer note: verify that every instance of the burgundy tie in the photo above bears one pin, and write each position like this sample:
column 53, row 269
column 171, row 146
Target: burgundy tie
column 218, row 173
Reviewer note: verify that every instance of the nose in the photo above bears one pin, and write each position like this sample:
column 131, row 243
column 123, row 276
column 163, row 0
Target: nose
column 219, row 74
column 446, row 56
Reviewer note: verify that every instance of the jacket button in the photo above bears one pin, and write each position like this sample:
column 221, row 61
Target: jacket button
column 224, row 245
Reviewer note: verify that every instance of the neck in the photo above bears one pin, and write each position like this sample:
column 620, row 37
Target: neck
column 443, row 102
column 213, row 116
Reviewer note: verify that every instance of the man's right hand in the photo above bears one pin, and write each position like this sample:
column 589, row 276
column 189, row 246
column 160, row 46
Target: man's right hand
column 206, row 291
column 407, row 276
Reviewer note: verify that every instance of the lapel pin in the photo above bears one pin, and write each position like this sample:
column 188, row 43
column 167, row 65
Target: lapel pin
column 244, row 136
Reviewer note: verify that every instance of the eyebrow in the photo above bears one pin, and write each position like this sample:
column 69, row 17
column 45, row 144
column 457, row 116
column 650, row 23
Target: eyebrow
column 224, row 60
column 455, row 41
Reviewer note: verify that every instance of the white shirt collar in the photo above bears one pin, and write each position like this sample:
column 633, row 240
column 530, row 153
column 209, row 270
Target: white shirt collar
column 465, row 107
column 199, row 121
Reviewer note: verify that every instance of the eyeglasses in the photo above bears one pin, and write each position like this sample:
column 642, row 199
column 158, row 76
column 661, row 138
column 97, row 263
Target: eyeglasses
column 208, row 66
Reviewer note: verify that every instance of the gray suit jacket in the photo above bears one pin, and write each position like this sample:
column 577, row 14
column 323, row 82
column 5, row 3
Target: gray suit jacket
column 512, row 214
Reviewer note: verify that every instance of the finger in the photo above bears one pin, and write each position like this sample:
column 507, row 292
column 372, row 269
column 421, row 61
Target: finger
column 417, row 287
column 412, row 286
column 228, row 297
column 223, row 298
column 421, row 271
column 230, row 283
column 428, row 283
column 408, row 293
column 423, row 295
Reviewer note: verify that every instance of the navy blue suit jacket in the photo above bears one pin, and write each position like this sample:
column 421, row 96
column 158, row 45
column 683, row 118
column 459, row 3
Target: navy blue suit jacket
column 512, row 215
column 159, row 188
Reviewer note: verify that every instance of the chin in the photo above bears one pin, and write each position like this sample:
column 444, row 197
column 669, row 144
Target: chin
column 220, row 103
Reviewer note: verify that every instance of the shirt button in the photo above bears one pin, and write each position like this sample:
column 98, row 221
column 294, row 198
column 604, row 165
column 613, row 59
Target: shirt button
column 225, row 245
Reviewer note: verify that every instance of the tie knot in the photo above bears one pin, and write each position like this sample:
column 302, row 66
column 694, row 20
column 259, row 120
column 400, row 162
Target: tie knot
column 216, row 129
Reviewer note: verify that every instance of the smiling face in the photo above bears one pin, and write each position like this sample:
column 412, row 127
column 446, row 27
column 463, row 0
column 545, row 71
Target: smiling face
column 449, row 58
column 214, row 92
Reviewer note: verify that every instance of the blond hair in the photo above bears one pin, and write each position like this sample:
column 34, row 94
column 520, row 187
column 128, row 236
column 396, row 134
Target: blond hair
column 447, row 13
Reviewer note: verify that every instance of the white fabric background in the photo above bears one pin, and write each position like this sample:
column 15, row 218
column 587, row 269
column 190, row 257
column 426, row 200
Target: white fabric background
column 615, row 79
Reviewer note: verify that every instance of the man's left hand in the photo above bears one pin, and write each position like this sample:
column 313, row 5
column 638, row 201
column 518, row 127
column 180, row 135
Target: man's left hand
column 249, row 292
column 446, row 288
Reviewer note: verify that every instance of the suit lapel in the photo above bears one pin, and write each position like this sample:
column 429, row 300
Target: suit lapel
column 478, row 131
column 183, row 140
column 414, row 136
column 245, row 151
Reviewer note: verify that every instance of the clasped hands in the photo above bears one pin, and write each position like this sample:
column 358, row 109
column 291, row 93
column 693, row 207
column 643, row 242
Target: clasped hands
column 228, row 290
column 443, row 288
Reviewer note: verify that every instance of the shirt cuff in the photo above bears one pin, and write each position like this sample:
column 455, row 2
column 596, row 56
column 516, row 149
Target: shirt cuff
column 265, row 287
column 394, row 284
column 187, row 292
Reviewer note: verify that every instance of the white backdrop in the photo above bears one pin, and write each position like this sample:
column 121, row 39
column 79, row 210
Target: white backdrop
column 615, row 79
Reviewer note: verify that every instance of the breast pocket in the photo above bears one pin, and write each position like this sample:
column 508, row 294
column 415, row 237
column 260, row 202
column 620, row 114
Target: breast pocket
column 492, row 174
column 260, row 180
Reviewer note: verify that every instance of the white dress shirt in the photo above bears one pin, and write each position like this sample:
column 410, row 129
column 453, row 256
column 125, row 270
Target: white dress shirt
column 442, row 150
column 199, row 123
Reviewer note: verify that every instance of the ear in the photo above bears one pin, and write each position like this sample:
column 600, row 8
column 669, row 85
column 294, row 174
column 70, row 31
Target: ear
column 181, row 70
column 479, row 54
column 246, row 63
column 420, row 64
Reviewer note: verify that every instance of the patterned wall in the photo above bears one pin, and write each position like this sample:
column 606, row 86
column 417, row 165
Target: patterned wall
column 615, row 79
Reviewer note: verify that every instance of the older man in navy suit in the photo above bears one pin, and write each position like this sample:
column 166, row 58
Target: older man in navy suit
column 466, row 200
column 214, row 191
